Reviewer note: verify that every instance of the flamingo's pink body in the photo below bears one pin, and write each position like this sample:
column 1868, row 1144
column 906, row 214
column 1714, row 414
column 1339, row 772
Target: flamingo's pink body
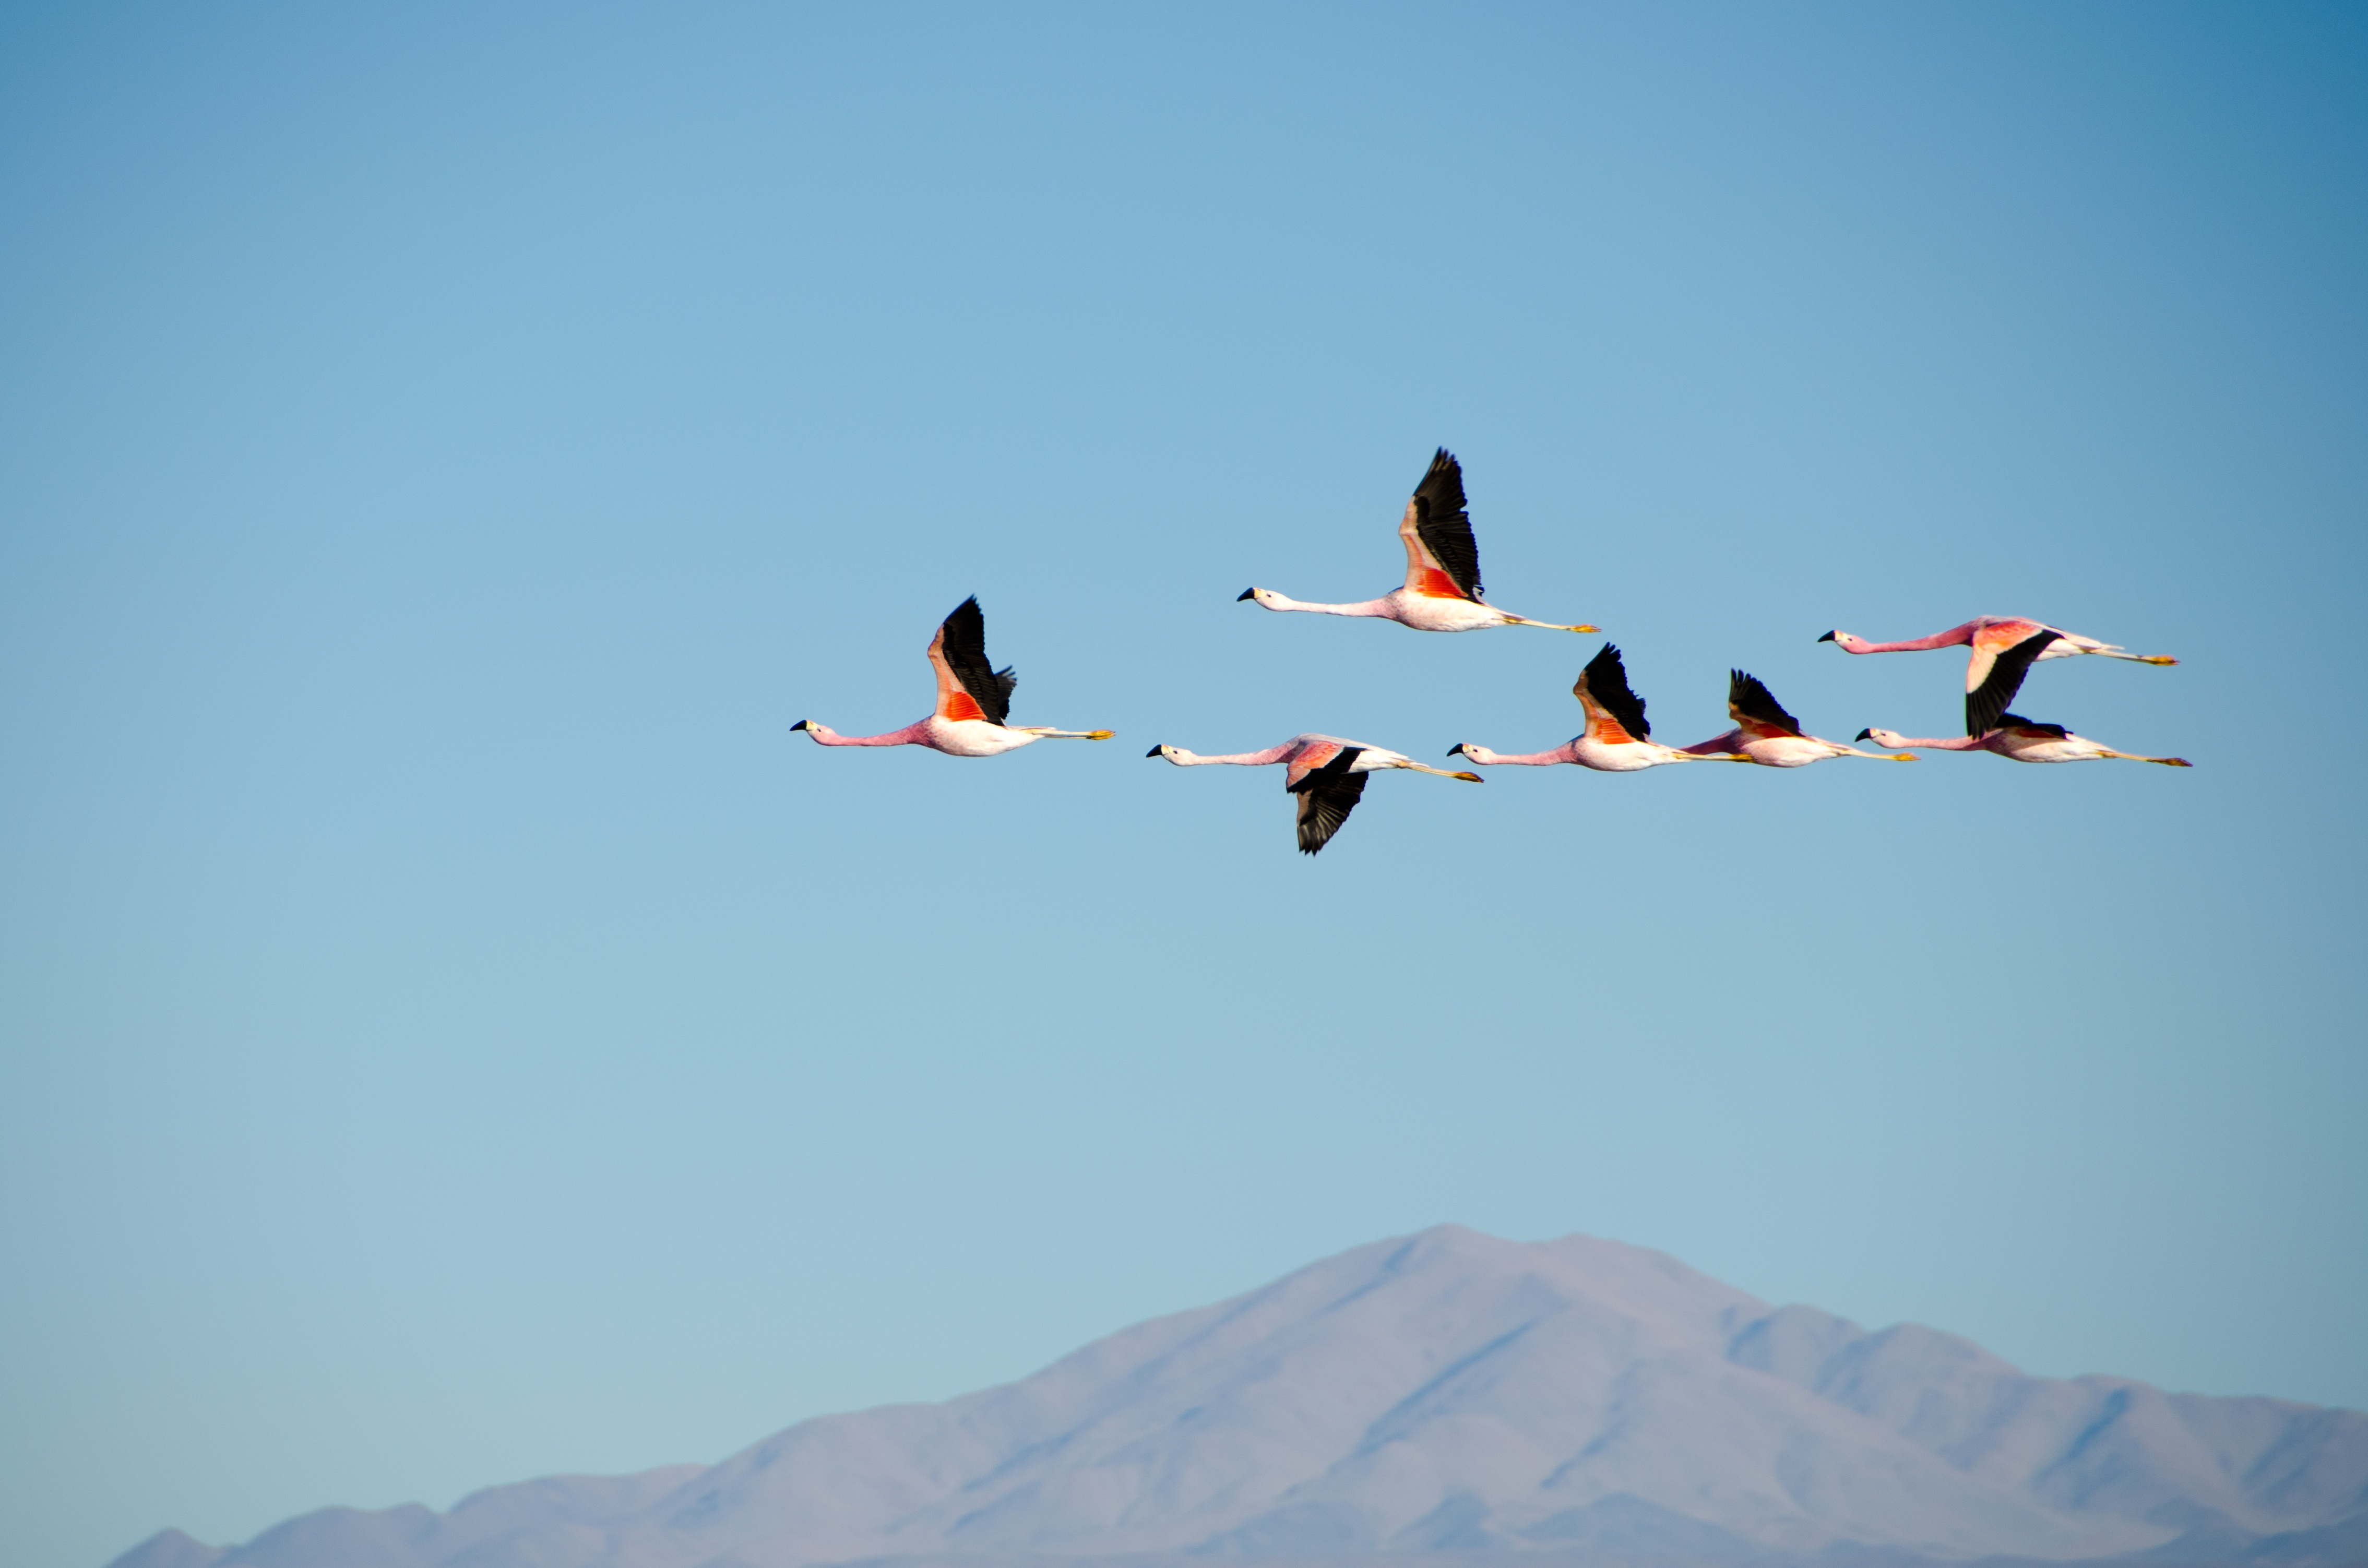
column 1442, row 581
column 972, row 698
column 1325, row 772
column 2018, row 740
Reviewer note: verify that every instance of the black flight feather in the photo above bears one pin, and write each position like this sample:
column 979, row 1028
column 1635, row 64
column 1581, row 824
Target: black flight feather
column 1986, row 703
column 1327, row 796
column 1607, row 682
column 1746, row 697
column 1445, row 529
column 965, row 654
column 2017, row 721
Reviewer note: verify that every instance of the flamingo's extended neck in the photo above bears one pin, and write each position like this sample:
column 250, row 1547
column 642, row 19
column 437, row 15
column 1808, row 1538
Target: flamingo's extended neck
column 1183, row 758
column 1483, row 757
column 909, row 736
column 1379, row 608
column 1907, row 743
column 1956, row 636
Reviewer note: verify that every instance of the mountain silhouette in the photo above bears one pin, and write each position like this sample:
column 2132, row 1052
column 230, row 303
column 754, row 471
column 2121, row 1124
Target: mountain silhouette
column 1451, row 1393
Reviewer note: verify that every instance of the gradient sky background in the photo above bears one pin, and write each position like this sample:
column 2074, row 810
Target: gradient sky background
column 452, row 1030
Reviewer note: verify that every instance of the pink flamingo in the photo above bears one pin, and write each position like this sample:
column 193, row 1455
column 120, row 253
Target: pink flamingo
column 1617, row 739
column 2020, row 740
column 1442, row 580
column 1767, row 736
column 1326, row 773
column 1991, row 635
column 973, row 697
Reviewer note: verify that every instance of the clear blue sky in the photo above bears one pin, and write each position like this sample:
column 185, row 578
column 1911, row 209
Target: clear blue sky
column 452, row 1030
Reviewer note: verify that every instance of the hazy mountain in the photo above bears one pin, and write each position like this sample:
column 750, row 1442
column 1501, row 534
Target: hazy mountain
column 1451, row 1393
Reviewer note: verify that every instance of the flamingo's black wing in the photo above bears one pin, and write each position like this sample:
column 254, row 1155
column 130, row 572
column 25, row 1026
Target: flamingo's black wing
column 1607, row 682
column 1754, row 708
column 1327, row 796
column 1445, row 528
column 1987, row 704
column 965, row 654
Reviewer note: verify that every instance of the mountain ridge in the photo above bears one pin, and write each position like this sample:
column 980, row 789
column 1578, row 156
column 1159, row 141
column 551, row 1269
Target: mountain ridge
column 1449, row 1391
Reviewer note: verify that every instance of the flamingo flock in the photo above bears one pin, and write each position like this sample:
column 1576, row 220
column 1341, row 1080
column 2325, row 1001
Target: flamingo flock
column 1325, row 774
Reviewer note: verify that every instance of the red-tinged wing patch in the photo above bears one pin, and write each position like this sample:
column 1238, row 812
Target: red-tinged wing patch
column 2000, row 635
column 1605, row 730
column 1307, row 762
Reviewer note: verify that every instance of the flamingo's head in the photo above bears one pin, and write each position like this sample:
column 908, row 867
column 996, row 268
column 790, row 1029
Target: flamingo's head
column 817, row 731
column 1883, row 737
column 1263, row 597
column 1849, row 643
column 1466, row 749
column 1170, row 753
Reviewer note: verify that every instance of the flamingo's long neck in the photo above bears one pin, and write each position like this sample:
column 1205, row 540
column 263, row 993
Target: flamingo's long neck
column 1956, row 743
column 1566, row 751
column 1380, row 608
column 909, row 736
column 1244, row 758
column 1955, row 636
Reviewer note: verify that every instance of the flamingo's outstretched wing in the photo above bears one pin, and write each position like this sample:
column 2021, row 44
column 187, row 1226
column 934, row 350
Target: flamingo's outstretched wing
column 1327, row 796
column 1615, row 713
column 968, row 686
column 1985, row 705
column 1442, row 558
column 2030, row 730
column 1994, row 635
column 1754, row 708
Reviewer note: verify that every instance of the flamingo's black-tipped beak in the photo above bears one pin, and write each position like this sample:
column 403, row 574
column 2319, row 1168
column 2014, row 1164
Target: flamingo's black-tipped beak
column 1246, row 594
column 1455, row 750
column 1866, row 734
column 1826, row 638
column 1152, row 751
column 799, row 725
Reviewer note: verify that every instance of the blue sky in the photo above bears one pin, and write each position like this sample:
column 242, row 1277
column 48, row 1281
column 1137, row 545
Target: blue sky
column 452, row 1030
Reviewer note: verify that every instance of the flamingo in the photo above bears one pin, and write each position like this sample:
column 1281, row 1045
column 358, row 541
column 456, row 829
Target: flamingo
column 1617, row 738
column 973, row 697
column 1326, row 773
column 1767, row 736
column 1442, row 580
column 2020, row 740
column 1991, row 635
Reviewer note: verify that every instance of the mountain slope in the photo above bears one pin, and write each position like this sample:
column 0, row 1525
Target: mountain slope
column 1448, row 1393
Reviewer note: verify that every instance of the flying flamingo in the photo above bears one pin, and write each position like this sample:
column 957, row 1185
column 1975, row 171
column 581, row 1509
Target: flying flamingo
column 2020, row 740
column 1617, row 738
column 1989, row 636
column 1326, row 773
column 973, row 697
column 1442, row 580
column 1767, row 736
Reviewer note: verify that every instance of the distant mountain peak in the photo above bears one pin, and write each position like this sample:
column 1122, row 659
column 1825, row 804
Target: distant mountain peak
column 1446, row 1392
